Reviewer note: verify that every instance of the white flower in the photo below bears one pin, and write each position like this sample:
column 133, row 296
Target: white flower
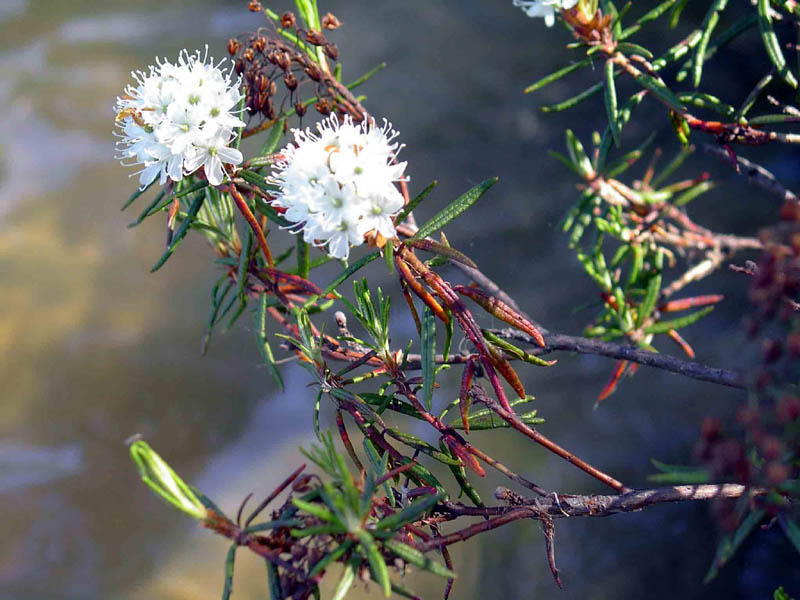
column 178, row 118
column 544, row 8
column 211, row 154
column 338, row 184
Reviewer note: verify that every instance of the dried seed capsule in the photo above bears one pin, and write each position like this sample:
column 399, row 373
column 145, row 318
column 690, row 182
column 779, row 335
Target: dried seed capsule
column 272, row 56
column 312, row 70
column 288, row 20
column 332, row 51
column 300, row 109
column 290, row 81
column 233, row 46
column 323, row 107
column 259, row 44
column 273, row 88
column 239, row 67
column 284, row 60
column 330, row 22
column 315, row 37
column 248, row 54
column 255, row 6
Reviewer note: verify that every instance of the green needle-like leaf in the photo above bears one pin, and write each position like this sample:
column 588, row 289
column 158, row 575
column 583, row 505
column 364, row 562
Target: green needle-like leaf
column 455, row 208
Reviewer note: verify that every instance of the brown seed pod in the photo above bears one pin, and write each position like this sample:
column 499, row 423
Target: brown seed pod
column 315, row 37
column 300, row 109
column 255, row 6
column 284, row 60
column 233, row 46
column 313, row 71
column 290, row 81
column 330, row 22
column 323, row 107
column 288, row 20
column 332, row 51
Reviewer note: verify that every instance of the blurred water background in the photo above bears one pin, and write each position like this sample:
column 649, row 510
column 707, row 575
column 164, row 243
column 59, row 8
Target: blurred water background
column 93, row 348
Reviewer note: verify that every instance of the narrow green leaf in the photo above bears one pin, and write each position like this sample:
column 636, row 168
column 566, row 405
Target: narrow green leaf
column 154, row 206
column 610, row 98
column 693, row 192
column 707, row 101
column 753, row 96
column 366, row 76
column 428, row 342
column 709, row 23
column 411, row 513
column 264, row 346
column 662, row 91
column 403, row 214
column 331, row 557
column 182, row 231
column 314, row 509
column 731, row 543
column 416, row 558
column 673, row 166
column 771, row 43
column 574, row 100
column 274, row 581
column 791, row 529
column 376, row 563
column 302, row 258
column 227, row 589
column 651, row 15
column 771, row 119
column 577, row 154
column 557, row 75
column 345, row 582
column 361, row 262
column 136, row 194
column 421, row 445
column 273, row 139
column 665, row 326
column 455, row 208
column 648, row 304
column 242, row 273
column 634, row 49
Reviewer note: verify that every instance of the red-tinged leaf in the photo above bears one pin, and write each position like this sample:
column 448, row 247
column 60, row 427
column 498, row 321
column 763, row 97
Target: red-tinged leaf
column 302, row 284
column 502, row 311
column 463, row 453
column 410, row 301
column 421, row 292
column 609, row 388
column 676, row 337
column 464, row 398
column 241, row 204
column 687, row 303
column 441, row 249
column 506, row 370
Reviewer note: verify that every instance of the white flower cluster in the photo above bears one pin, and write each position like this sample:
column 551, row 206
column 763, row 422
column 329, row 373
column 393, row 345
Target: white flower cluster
column 338, row 184
column 179, row 117
column 544, row 8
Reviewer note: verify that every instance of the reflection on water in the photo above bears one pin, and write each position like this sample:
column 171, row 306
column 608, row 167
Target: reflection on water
column 93, row 348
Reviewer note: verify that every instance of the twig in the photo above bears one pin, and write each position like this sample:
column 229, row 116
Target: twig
column 554, row 507
column 558, row 341
column 756, row 174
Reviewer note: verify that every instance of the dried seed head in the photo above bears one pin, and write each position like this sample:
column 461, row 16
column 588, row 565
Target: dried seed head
column 330, row 22
column 259, row 44
column 233, row 46
column 332, row 51
column 290, row 81
column 248, row 54
column 284, row 60
column 315, row 37
column 288, row 20
column 255, row 6
column 300, row 109
column 323, row 107
column 313, row 71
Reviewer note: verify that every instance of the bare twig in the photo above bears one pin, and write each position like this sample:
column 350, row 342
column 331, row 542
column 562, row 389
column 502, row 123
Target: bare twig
column 554, row 507
column 756, row 174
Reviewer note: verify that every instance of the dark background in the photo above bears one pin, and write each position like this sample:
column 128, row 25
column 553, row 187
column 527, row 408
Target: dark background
column 93, row 348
